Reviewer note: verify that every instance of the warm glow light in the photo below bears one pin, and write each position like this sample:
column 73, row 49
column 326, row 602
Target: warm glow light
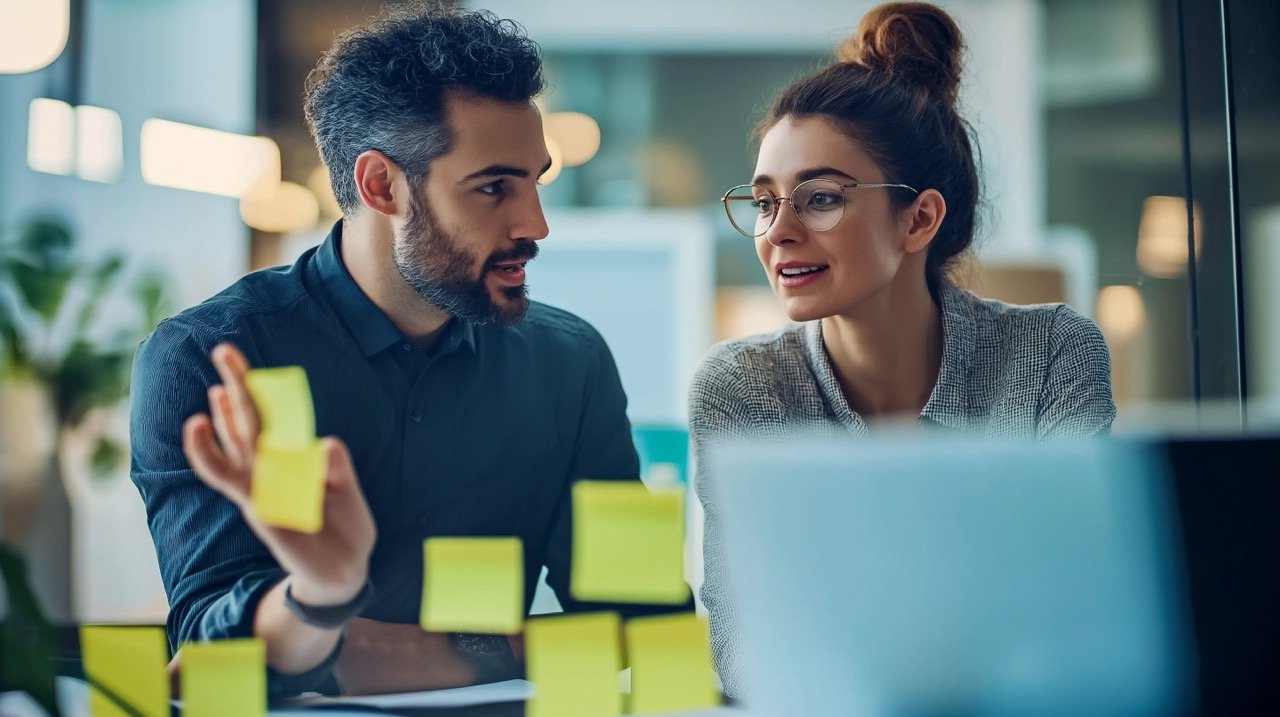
column 51, row 136
column 319, row 184
column 206, row 160
column 577, row 134
column 1121, row 312
column 99, row 144
column 1162, row 236
column 32, row 33
column 286, row 207
column 557, row 162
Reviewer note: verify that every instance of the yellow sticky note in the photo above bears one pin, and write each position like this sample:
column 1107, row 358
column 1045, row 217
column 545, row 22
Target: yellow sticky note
column 628, row 543
column 225, row 677
column 288, row 486
column 670, row 658
column 573, row 662
column 472, row 585
column 283, row 399
column 129, row 661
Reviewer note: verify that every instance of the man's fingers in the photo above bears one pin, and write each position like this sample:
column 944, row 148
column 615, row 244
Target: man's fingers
column 232, row 367
column 237, row 452
column 209, row 462
column 340, row 474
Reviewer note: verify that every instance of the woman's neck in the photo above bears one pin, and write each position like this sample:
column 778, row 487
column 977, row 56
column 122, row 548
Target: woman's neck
column 887, row 352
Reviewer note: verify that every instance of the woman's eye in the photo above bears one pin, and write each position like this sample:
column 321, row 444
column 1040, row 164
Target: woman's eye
column 763, row 205
column 824, row 200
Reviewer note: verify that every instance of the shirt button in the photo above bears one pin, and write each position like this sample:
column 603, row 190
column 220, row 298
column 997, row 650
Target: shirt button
column 420, row 519
column 416, row 416
column 406, row 346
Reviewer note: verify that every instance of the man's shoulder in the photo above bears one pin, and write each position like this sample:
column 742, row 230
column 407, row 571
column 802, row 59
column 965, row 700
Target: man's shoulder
column 256, row 296
column 548, row 323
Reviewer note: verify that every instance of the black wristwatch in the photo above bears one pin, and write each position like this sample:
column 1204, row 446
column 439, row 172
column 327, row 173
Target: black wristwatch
column 490, row 656
column 328, row 616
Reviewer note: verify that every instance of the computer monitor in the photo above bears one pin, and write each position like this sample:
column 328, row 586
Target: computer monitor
column 958, row 577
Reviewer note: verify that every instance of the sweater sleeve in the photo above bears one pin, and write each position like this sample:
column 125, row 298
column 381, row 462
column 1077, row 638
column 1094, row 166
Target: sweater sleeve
column 717, row 411
column 1075, row 399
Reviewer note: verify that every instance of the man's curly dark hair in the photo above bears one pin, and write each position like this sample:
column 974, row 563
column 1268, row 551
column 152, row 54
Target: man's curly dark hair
column 383, row 86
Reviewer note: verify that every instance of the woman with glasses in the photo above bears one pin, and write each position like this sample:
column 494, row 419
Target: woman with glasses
column 864, row 198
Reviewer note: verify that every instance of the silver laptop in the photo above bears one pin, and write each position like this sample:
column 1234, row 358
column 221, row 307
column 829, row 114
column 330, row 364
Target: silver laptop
column 956, row 577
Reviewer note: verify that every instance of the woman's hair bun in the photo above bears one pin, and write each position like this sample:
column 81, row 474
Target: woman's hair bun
column 916, row 41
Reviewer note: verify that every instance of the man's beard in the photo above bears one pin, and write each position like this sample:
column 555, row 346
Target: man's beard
column 431, row 262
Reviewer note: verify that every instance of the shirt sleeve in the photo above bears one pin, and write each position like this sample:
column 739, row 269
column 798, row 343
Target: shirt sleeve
column 214, row 569
column 1076, row 399
column 604, row 450
column 717, row 412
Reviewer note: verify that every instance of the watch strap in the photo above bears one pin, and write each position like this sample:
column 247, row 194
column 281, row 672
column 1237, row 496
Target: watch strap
column 328, row 616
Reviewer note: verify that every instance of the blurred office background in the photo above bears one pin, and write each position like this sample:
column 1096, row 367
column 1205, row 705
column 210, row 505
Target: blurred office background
column 1104, row 125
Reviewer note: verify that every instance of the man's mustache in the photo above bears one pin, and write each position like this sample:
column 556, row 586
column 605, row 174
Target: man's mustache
column 524, row 251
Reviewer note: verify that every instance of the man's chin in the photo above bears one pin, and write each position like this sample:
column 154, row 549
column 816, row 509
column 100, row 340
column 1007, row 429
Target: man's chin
column 510, row 306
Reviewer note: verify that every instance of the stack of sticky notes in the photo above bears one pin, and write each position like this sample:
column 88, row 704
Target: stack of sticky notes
column 628, row 543
column 573, row 662
column 225, row 677
column 288, row 472
column 125, row 668
column 472, row 585
column 670, row 658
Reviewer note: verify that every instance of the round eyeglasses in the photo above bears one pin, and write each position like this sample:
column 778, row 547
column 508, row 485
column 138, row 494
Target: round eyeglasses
column 818, row 203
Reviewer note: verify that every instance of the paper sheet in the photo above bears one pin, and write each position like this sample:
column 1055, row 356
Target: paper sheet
column 288, row 486
column 283, row 399
column 573, row 661
column 670, row 658
column 129, row 661
column 497, row 692
column 628, row 543
column 472, row 585
column 224, row 677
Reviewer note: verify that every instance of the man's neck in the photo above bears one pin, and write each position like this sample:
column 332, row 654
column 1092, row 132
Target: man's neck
column 367, row 254
column 887, row 353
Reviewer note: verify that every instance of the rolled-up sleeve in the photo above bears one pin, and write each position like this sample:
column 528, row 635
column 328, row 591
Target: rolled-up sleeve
column 214, row 569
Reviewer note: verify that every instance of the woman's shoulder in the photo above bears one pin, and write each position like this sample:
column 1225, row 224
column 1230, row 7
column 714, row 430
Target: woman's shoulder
column 761, row 353
column 1050, row 325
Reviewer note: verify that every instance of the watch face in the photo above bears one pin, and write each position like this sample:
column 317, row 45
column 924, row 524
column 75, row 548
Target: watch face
column 477, row 643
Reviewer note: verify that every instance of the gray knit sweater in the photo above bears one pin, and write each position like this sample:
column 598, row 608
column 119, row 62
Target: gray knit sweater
column 1007, row 371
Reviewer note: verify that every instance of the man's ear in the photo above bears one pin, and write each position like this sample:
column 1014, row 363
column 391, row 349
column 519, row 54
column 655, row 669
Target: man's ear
column 924, row 218
column 375, row 175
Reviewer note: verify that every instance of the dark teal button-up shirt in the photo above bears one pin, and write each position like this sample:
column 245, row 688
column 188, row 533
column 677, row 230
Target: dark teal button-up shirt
column 481, row 436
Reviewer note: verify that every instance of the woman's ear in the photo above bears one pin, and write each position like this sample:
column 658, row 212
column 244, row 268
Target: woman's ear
column 924, row 218
column 375, row 175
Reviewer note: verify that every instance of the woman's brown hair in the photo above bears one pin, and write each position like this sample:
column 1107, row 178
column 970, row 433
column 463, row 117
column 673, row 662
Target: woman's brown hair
column 893, row 90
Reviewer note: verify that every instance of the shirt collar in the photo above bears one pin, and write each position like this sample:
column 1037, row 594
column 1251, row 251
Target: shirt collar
column 372, row 330
column 948, row 401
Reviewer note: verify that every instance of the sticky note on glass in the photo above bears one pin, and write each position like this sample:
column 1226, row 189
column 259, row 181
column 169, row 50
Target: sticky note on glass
column 126, row 663
column 224, row 677
column 670, row 657
column 628, row 543
column 283, row 399
column 287, row 490
column 573, row 662
column 472, row 585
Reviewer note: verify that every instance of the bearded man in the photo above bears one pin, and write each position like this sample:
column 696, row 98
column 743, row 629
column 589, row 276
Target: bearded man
column 452, row 404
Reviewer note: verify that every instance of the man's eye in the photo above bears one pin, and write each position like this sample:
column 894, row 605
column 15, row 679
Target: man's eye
column 493, row 189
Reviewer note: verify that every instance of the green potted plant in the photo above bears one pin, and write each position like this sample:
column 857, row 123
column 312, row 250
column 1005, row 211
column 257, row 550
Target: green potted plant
column 68, row 329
